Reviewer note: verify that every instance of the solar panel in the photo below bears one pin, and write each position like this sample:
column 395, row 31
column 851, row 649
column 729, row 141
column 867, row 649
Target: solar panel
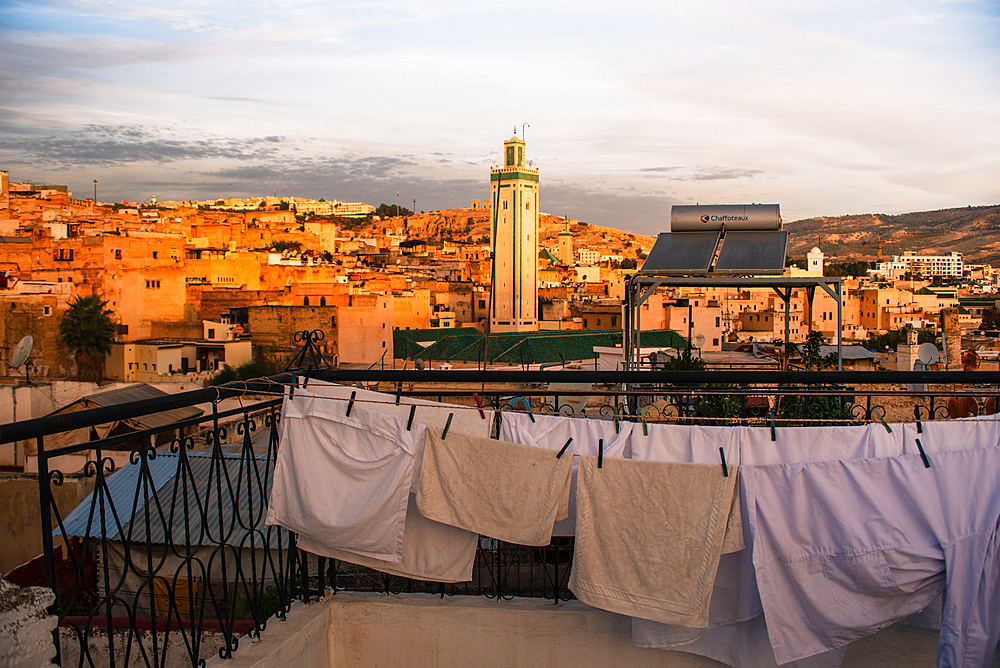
column 755, row 252
column 681, row 252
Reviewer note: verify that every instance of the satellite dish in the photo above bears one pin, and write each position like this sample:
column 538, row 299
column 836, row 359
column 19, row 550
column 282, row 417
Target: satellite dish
column 698, row 340
column 419, row 364
column 928, row 353
column 21, row 351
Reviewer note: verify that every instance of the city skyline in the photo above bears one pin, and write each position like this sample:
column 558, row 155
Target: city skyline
column 826, row 110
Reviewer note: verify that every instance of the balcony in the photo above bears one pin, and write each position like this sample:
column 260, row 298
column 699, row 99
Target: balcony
column 168, row 562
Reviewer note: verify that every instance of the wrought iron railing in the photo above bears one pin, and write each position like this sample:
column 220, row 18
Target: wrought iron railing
column 169, row 560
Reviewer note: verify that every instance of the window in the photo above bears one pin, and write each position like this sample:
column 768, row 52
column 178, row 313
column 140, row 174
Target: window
column 118, row 253
column 122, row 330
column 482, row 303
column 585, row 323
column 211, row 333
column 155, row 255
column 527, row 206
column 717, row 321
column 383, row 325
column 333, row 321
column 46, row 310
column 614, row 321
column 305, row 301
column 715, row 342
column 322, row 301
column 383, row 344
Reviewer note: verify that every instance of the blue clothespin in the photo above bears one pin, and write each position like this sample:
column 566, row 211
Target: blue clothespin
column 923, row 455
column 773, row 435
column 725, row 469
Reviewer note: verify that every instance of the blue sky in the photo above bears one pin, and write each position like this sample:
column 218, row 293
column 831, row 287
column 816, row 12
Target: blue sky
column 826, row 108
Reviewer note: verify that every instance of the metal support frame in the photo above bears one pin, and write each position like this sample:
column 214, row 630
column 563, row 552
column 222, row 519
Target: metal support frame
column 641, row 286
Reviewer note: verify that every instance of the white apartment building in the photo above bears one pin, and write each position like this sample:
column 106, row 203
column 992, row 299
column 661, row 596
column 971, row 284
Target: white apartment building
column 926, row 266
column 588, row 256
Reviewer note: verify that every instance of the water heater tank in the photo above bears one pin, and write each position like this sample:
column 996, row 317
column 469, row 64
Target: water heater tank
column 732, row 217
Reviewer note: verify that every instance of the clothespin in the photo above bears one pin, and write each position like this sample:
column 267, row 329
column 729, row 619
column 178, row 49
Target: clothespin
column 878, row 416
column 526, row 402
column 923, row 455
column 916, row 414
column 563, row 449
column 600, row 453
column 306, row 383
column 479, row 403
column 447, row 426
column 350, row 404
column 616, row 418
column 642, row 413
column 773, row 435
column 725, row 469
column 291, row 388
column 399, row 391
column 409, row 421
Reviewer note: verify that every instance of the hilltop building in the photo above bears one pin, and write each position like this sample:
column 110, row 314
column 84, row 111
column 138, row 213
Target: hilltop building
column 565, row 247
column 514, row 241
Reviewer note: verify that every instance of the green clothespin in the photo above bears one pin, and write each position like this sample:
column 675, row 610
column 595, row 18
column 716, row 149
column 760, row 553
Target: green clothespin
column 642, row 413
column 616, row 418
column 447, row 426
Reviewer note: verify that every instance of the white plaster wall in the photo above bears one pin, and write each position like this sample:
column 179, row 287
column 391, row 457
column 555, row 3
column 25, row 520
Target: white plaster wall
column 25, row 626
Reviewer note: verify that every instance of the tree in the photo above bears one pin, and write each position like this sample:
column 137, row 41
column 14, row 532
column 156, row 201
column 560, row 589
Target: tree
column 991, row 318
column 88, row 330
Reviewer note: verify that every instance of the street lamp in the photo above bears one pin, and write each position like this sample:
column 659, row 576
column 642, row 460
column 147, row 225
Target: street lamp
column 95, row 191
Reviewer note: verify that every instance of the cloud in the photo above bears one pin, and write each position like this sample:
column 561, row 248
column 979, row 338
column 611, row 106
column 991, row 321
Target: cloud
column 721, row 174
column 95, row 145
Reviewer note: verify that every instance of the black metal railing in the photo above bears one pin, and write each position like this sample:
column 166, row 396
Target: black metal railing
column 169, row 559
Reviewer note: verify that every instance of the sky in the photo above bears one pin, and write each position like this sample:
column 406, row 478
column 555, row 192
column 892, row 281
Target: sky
column 824, row 107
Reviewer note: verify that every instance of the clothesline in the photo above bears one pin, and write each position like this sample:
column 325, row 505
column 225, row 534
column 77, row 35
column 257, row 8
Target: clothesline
column 679, row 420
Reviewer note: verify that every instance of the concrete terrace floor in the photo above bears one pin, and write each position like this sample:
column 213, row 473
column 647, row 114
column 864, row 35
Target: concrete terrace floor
column 417, row 630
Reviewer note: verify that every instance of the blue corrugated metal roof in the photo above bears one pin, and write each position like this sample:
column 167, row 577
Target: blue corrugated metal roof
column 179, row 503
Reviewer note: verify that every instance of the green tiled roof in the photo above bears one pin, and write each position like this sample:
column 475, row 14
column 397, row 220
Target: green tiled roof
column 466, row 344
column 924, row 291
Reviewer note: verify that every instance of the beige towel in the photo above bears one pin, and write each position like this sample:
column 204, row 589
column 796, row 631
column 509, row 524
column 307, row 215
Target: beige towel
column 431, row 551
column 507, row 491
column 649, row 536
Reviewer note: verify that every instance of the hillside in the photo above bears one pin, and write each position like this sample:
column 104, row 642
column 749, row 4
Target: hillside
column 473, row 226
column 972, row 231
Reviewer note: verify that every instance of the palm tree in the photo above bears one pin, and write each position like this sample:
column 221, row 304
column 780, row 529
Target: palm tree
column 88, row 330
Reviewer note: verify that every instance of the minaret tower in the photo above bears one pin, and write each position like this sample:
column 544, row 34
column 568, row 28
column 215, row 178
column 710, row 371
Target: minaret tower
column 514, row 240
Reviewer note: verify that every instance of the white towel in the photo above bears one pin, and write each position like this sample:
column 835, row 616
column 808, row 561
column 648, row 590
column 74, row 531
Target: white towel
column 649, row 537
column 342, row 480
column 464, row 420
column 552, row 431
column 502, row 490
column 431, row 551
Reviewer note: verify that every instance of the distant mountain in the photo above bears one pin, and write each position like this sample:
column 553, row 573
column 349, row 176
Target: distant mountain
column 473, row 226
column 973, row 231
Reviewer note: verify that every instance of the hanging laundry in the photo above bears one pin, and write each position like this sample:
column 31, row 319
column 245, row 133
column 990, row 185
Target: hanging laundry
column 432, row 551
column 552, row 431
column 867, row 542
column 818, row 444
column 743, row 645
column 649, row 537
column 735, row 608
column 341, row 480
column 464, row 419
column 502, row 490
column 949, row 435
column 685, row 444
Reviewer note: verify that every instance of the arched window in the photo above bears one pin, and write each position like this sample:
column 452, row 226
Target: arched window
column 305, row 301
column 322, row 301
